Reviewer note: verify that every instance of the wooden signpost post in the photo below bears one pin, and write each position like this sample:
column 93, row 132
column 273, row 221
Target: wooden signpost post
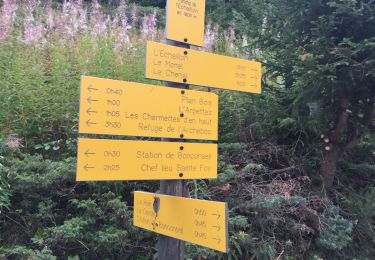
column 174, row 114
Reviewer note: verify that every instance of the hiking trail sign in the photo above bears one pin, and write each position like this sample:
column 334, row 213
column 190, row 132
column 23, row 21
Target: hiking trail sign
column 200, row 222
column 185, row 21
column 110, row 160
column 180, row 65
column 115, row 107
column 112, row 107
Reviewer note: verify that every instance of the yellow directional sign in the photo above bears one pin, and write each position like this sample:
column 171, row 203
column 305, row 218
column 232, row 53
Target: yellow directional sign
column 169, row 63
column 124, row 108
column 105, row 160
column 185, row 21
column 197, row 221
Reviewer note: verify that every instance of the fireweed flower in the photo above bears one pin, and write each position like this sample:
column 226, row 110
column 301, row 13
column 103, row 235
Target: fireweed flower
column 134, row 16
column 211, row 36
column 244, row 41
column 13, row 142
column 50, row 22
column 98, row 22
column 149, row 30
column 7, row 17
column 120, row 27
column 33, row 30
column 230, row 36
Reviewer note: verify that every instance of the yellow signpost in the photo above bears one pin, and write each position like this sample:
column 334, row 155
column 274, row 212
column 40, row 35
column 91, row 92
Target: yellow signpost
column 170, row 63
column 126, row 108
column 105, row 160
column 197, row 221
column 185, row 21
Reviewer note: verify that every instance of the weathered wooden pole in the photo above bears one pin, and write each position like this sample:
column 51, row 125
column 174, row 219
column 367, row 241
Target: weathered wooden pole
column 171, row 248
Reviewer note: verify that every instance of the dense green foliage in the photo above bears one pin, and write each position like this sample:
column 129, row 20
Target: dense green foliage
column 287, row 199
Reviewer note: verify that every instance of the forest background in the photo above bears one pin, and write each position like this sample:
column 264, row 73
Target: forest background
column 297, row 163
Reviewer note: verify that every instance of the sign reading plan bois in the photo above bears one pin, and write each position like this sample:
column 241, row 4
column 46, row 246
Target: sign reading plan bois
column 200, row 222
column 104, row 160
column 185, row 21
column 170, row 63
column 125, row 108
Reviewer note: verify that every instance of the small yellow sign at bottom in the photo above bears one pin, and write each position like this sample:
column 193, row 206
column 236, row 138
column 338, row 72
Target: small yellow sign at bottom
column 200, row 222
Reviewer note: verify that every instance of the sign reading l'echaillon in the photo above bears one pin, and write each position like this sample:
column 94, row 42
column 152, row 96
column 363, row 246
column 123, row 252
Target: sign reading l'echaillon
column 175, row 64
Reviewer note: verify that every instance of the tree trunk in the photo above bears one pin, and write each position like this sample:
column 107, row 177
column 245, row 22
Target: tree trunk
column 329, row 166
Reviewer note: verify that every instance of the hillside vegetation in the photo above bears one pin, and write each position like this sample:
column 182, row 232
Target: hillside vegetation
column 296, row 163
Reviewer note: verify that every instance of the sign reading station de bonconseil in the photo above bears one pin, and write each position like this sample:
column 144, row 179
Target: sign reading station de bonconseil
column 125, row 108
column 105, row 160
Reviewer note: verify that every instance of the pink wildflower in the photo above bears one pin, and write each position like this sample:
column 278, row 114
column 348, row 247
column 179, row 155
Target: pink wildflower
column 13, row 142
column 120, row 27
column 231, row 38
column 33, row 30
column 149, row 29
column 134, row 16
column 50, row 16
column 211, row 36
column 98, row 22
column 244, row 41
column 7, row 17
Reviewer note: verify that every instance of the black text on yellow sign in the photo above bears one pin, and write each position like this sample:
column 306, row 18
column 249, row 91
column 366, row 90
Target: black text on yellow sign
column 196, row 221
column 124, row 108
column 170, row 63
column 105, row 160
column 185, row 21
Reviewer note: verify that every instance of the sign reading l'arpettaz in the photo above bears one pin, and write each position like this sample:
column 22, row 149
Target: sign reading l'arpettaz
column 196, row 221
column 125, row 108
column 175, row 64
column 185, row 21
column 109, row 160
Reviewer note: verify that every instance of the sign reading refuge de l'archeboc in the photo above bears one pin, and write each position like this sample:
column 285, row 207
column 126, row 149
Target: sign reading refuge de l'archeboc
column 125, row 108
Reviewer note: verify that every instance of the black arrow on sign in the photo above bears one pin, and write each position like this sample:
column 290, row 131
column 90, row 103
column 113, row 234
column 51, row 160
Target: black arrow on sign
column 87, row 153
column 89, row 123
column 217, row 214
column 89, row 111
column 90, row 100
column 90, row 88
column 217, row 227
column 87, row 167
column 217, row 239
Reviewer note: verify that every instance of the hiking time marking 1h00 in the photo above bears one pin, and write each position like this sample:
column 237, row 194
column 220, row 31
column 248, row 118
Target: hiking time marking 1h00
column 115, row 107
